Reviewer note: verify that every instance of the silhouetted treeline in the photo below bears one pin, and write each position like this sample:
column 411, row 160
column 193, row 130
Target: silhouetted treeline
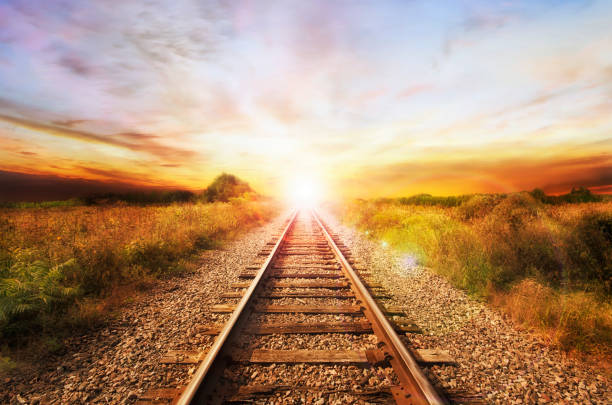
column 577, row 195
column 224, row 188
column 154, row 197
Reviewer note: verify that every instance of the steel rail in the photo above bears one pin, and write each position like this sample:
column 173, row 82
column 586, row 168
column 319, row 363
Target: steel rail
column 405, row 366
column 192, row 393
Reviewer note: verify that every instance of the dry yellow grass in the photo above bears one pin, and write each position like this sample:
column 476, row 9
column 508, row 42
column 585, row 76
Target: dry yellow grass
column 548, row 266
column 54, row 260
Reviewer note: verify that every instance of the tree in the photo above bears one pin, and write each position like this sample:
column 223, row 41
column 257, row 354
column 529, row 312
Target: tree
column 226, row 186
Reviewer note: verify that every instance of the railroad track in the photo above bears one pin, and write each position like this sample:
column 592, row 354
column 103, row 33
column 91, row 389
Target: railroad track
column 304, row 326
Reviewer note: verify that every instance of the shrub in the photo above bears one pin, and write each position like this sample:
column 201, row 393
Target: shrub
column 54, row 260
column 572, row 320
column 429, row 200
column 547, row 265
column 477, row 206
column 226, row 187
column 30, row 287
column 588, row 247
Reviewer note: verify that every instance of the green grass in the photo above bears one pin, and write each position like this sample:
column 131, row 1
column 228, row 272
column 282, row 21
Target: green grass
column 498, row 247
column 74, row 202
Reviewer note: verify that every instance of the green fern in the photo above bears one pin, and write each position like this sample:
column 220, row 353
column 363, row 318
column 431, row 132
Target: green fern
column 28, row 287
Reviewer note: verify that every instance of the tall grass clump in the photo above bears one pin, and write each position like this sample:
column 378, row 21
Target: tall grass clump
column 547, row 264
column 53, row 261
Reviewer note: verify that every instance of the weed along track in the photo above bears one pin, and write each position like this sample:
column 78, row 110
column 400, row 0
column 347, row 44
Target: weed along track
column 304, row 326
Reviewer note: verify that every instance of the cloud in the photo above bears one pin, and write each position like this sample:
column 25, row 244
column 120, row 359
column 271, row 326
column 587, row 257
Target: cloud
column 484, row 21
column 557, row 174
column 136, row 136
column 341, row 83
column 67, row 123
column 75, row 65
column 128, row 140
column 120, row 175
column 412, row 90
column 597, row 177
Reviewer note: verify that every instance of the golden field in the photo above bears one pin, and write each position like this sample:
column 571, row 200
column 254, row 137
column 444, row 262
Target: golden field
column 549, row 266
column 60, row 266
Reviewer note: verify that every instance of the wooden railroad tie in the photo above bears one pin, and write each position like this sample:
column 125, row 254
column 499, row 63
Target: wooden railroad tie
column 310, row 265
column 293, row 294
column 332, row 264
column 307, row 284
column 241, row 284
column 309, row 249
column 297, row 327
column 159, row 396
column 306, row 309
column 298, row 267
column 311, row 356
column 277, row 274
column 328, row 256
column 295, row 284
column 306, row 328
column 307, row 294
column 371, row 356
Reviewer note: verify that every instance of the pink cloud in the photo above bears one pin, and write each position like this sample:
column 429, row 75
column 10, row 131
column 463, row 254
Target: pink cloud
column 411, row 91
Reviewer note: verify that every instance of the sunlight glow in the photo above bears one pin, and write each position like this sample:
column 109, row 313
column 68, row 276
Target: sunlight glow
column 303, row 192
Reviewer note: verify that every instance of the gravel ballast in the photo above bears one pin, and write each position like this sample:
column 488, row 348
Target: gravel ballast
column 496, row 359
column 119, row 362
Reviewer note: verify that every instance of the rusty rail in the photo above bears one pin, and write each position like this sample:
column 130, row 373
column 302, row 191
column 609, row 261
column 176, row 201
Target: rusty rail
column 201, row 389
column 418, row 388
column 414, row 387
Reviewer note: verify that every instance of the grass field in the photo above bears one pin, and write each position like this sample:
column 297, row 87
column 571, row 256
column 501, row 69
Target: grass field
column 63, row 266
column 548, row 265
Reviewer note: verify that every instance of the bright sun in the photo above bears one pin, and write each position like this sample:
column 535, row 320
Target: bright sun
column 303, row 192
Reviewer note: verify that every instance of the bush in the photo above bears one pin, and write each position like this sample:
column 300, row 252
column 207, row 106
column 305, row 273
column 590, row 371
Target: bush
column 588, row 247
column 477, row 206
column 52, row 260
column 31, row 287
column 429, row 200
column 512, row 246
column 572, row 320
column 226, row 187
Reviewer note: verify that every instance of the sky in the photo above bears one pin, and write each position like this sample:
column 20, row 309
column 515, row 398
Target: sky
column 363, row 98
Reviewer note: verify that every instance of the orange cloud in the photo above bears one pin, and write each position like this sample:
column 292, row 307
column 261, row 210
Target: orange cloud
column 129, row 140
column 554, row 175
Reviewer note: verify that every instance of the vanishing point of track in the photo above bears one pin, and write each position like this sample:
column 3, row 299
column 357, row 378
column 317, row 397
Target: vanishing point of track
column 307, row 264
